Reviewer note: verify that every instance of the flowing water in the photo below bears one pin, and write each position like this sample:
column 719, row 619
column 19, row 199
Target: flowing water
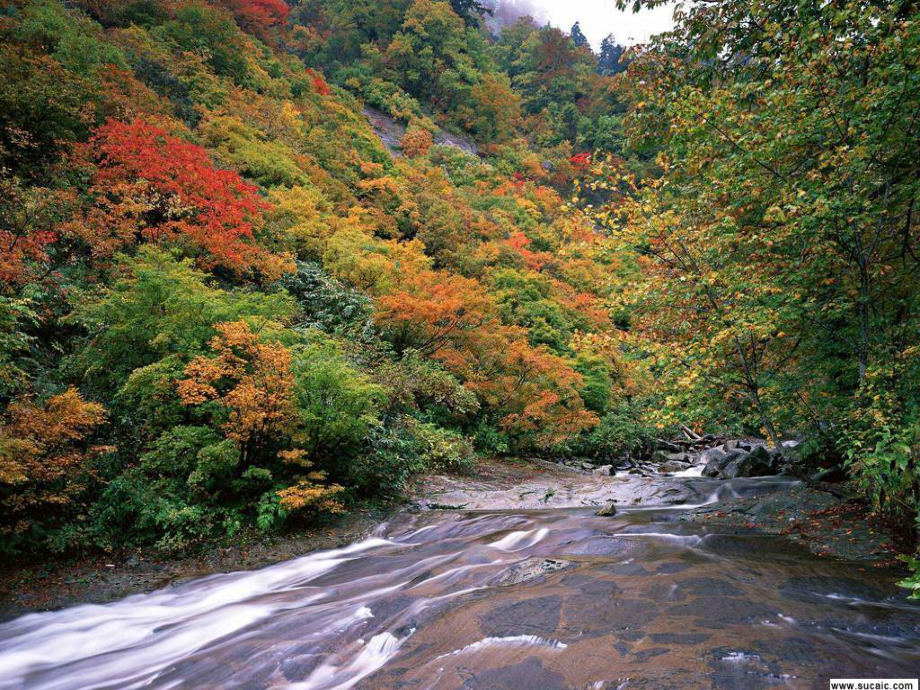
column 539, row 600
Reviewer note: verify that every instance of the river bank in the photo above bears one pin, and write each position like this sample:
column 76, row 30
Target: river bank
column 826, row 525
column 104, row 578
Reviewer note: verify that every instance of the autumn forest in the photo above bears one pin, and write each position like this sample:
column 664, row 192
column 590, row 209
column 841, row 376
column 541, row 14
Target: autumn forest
column 263, row 263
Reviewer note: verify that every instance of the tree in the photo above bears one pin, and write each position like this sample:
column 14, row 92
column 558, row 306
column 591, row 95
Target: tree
column 44, row 109
column 578, row 38
column 433, row 312
column 161, row 308
column 250, row 381
column 788, row 207
column 259, row 17
column 610, row 61
column 471, row 11
column 30, row 224
column 151, row 186
column 44, row 450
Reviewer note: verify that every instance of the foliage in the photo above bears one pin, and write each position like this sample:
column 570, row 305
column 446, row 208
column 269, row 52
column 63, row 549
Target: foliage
column 202, row 233
column 776, row 253
column 160, row 307
column 155, row 186
column 45, row 450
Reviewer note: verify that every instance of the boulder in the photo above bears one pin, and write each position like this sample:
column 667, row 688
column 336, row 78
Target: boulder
column 718, row 461
column 661, row 456
column 673, row 466
column 712, row 453
column 531, row 569
column 752, row 444
column 668, row 446
column 607, row 510
column 605, row 470
column 624, row 462
column 758, row 463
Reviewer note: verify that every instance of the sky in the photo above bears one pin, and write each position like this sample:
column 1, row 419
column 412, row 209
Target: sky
column 598, row 18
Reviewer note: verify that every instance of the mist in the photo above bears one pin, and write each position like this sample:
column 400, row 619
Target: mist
column 507, row 12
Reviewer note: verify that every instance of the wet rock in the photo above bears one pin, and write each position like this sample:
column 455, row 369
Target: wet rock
column 672, row 567
column 529, row 673
column 646, row 654
column 661, row 456
column 673, row 466
column 717, row 462
column 626, row 569
column 591, row 615
column 823, row 588
column 759, row 462
column 721, row 610
column 708, row 586
column 680, row 638
column 623, row 462
column 538, row 616
column 608, row 509
column 603, row 470
column 531, row 569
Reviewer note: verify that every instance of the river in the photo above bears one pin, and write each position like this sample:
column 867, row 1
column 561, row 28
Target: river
column 497, row 600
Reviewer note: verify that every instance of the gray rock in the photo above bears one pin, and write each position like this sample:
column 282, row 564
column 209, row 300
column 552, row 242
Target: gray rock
column 608, row 509
column 604, row 470
column 623, row 462
column 711, row 454
column 668, row 446
column 759, row 462
column 660, row 456
column 752, row 444
column 673, row 466
column 531, row 569
column 718, row 462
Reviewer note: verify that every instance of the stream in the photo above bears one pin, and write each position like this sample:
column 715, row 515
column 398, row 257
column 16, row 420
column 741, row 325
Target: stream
column 498, row 600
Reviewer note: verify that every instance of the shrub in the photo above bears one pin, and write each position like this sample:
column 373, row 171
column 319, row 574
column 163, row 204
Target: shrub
column 44, row 454
column 621, row 430
column 443, row 449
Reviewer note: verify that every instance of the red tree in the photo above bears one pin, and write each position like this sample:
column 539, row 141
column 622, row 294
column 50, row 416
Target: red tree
column 258, row 17
column 153, row 186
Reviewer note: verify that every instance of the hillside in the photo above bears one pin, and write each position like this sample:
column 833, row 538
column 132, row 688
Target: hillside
column 263, row 263
column 227, row 304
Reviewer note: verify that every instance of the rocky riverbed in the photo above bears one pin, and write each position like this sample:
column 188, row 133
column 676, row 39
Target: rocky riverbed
column 508, row 580
column 780, row 506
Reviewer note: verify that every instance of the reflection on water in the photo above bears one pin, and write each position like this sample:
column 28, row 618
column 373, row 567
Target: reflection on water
column 546, row 600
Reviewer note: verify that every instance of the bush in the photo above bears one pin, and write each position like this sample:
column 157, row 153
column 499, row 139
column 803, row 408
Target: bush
column 326, row 303
column 406, row 448
column 881, row 444
column 913, row 582
column 337, row 405
column 443, row 449
column 622, row 430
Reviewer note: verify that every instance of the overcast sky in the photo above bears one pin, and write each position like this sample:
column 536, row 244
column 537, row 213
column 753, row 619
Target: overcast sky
column 599, row 18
